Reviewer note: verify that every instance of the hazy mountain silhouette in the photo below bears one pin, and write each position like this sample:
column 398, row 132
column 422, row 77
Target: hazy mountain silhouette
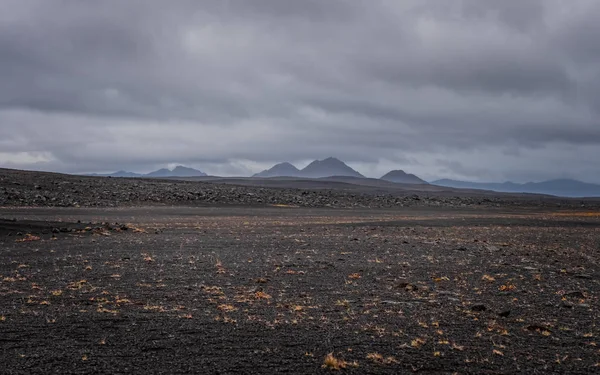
column 327, row 168
column 125, row 174
column 559, row 187
column 317, row 169
column 179, row 171
column 280, row 170
column 399, row 176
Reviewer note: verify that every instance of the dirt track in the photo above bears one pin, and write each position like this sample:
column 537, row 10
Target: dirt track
column 266, row 290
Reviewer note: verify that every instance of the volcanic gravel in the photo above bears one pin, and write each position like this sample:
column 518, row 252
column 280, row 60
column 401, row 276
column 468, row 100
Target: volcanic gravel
column 263, row 290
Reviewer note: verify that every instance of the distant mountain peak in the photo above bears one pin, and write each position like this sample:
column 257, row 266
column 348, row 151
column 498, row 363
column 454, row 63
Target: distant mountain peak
column 399, row 176
column 328, row 167
column 178, row 171
column 319, row 168
column 284, row 169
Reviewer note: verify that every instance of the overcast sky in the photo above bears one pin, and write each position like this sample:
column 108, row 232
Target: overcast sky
column 482, row 90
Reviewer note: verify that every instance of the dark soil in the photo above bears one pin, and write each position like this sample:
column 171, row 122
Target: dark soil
column 224, row 290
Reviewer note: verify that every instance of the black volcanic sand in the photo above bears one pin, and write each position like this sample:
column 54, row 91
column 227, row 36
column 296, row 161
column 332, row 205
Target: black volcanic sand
column 266, row 290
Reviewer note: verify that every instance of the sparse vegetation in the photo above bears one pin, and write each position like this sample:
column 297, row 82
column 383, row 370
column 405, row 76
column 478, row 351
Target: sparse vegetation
column 379, row 288
column 332, row 363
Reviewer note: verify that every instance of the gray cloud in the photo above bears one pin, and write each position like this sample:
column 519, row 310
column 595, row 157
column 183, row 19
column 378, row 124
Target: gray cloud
column 476, row 89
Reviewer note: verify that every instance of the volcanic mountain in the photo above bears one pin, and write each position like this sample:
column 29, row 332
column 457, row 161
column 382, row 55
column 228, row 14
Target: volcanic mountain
column 327, row 168
column 179, row 171
column 319, row 168
column 280, row 170
column 399, row 176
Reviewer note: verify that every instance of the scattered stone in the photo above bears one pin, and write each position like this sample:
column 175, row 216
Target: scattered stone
column 575, row 294
column 478, row 308
column 582, row 276
column 566, row 305
column 408, row 286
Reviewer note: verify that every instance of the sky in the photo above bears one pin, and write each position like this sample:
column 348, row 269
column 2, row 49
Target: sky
column 479, row 90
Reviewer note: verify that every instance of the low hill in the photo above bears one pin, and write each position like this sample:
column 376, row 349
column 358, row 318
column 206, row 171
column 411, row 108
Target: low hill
column 559, row 187
column 401, row 177
column 279, row 170
column 179, row 171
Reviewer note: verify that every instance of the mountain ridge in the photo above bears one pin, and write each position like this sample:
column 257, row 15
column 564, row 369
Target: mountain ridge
column 328, row 167
column 284, row 169
column 562, row 187
column 401, row 177
column 178, row 171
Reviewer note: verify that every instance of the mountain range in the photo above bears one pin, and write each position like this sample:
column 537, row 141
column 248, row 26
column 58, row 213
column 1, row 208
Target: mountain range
column 559, row 187
column 317, row 169
column 179, row 171
column 332, row 167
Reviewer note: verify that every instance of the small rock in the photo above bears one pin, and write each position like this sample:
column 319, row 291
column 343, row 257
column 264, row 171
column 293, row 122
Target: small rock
column 478, row 308
column 575, row 294
column 582, row 276
column 504, row 313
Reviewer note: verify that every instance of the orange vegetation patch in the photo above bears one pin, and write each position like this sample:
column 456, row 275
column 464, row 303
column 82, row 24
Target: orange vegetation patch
column 333, row 363
column 28, row 237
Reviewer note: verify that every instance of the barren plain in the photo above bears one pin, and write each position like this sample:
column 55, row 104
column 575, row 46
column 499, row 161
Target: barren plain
column 164, row 288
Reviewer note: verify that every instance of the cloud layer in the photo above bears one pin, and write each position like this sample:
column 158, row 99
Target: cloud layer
column 477, row 89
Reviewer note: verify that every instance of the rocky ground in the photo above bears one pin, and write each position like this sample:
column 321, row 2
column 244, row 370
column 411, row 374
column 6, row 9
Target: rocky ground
column 242, row 290
column 23, row 188
column 170, row 277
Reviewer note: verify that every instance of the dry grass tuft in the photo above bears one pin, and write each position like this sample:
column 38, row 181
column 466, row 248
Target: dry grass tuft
column 417, row 343
column 77, row 284
column 226, row 308
column 28, row 237
column 333, row 363
column 219, row 266
column 261, row 295
column 508, row 287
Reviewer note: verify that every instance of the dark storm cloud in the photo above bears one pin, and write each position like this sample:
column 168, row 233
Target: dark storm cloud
column 233, row 86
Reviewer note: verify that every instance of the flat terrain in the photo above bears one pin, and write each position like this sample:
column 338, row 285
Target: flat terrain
column 177, row 289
